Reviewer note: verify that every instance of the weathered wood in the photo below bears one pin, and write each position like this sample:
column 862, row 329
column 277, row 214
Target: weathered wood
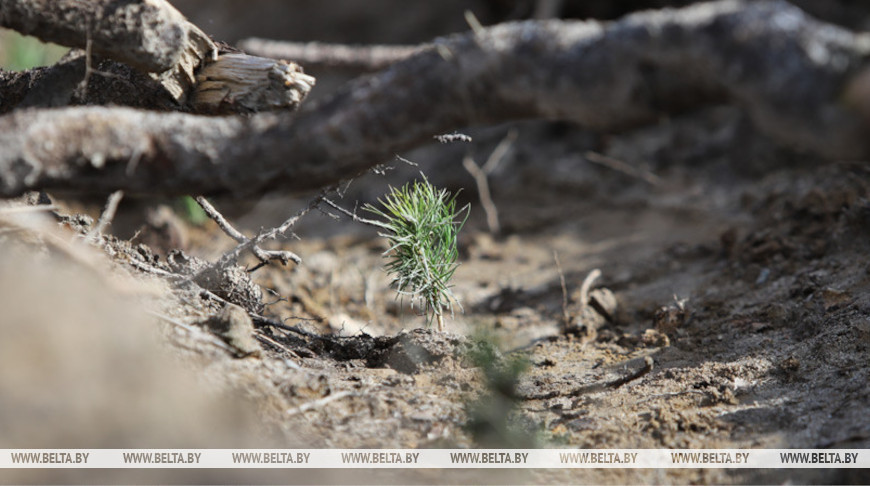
column 230, row 83
column 238, row 82
column 63, row 84
column 146, row 34
column 149, row 35
column 180, row 79
column 790, row 72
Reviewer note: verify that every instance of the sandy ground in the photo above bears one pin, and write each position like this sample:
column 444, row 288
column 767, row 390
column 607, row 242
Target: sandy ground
column 741, row 319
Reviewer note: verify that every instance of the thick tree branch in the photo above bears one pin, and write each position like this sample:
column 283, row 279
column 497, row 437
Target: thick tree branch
column 790, row 72
column 149, row 35
column 154, row 38
column 63, row 84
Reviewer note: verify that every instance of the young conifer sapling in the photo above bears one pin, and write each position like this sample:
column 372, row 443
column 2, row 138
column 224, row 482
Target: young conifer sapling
column 421, row 224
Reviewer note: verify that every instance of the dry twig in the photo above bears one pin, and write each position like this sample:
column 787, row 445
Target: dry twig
column 106, row 216
column 670, row 395
column 259, row 336
column 265, row 256
column 9, row 210
column 566, row 318
column 265, row 321
column 319, row 403
column 232, row 256
column 193, row 331
column 481, row 174
column 354, row 216
column 321, row 56
column 623, row 167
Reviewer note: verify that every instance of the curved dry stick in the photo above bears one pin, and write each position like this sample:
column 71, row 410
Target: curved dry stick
column 788, row 70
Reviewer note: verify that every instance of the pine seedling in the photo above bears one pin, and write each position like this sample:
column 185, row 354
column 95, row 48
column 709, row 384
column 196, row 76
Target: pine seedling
column 421, row 224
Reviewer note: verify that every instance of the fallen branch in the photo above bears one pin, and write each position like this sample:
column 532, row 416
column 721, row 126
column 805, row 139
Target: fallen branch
column 148, row 35
column 789, row 71
column 317, row 56
column 152, row 37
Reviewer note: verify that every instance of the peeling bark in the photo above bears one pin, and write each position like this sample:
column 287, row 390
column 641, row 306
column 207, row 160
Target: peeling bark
column 790, row 72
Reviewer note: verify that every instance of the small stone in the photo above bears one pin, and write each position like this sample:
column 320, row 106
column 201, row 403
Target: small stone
column 672, row 316
column 655, row 338
column 833, row 298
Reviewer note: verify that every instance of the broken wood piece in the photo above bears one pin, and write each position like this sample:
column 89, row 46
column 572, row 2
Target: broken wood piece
column 597, row 307
column 238, row 83
column 180, row 79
